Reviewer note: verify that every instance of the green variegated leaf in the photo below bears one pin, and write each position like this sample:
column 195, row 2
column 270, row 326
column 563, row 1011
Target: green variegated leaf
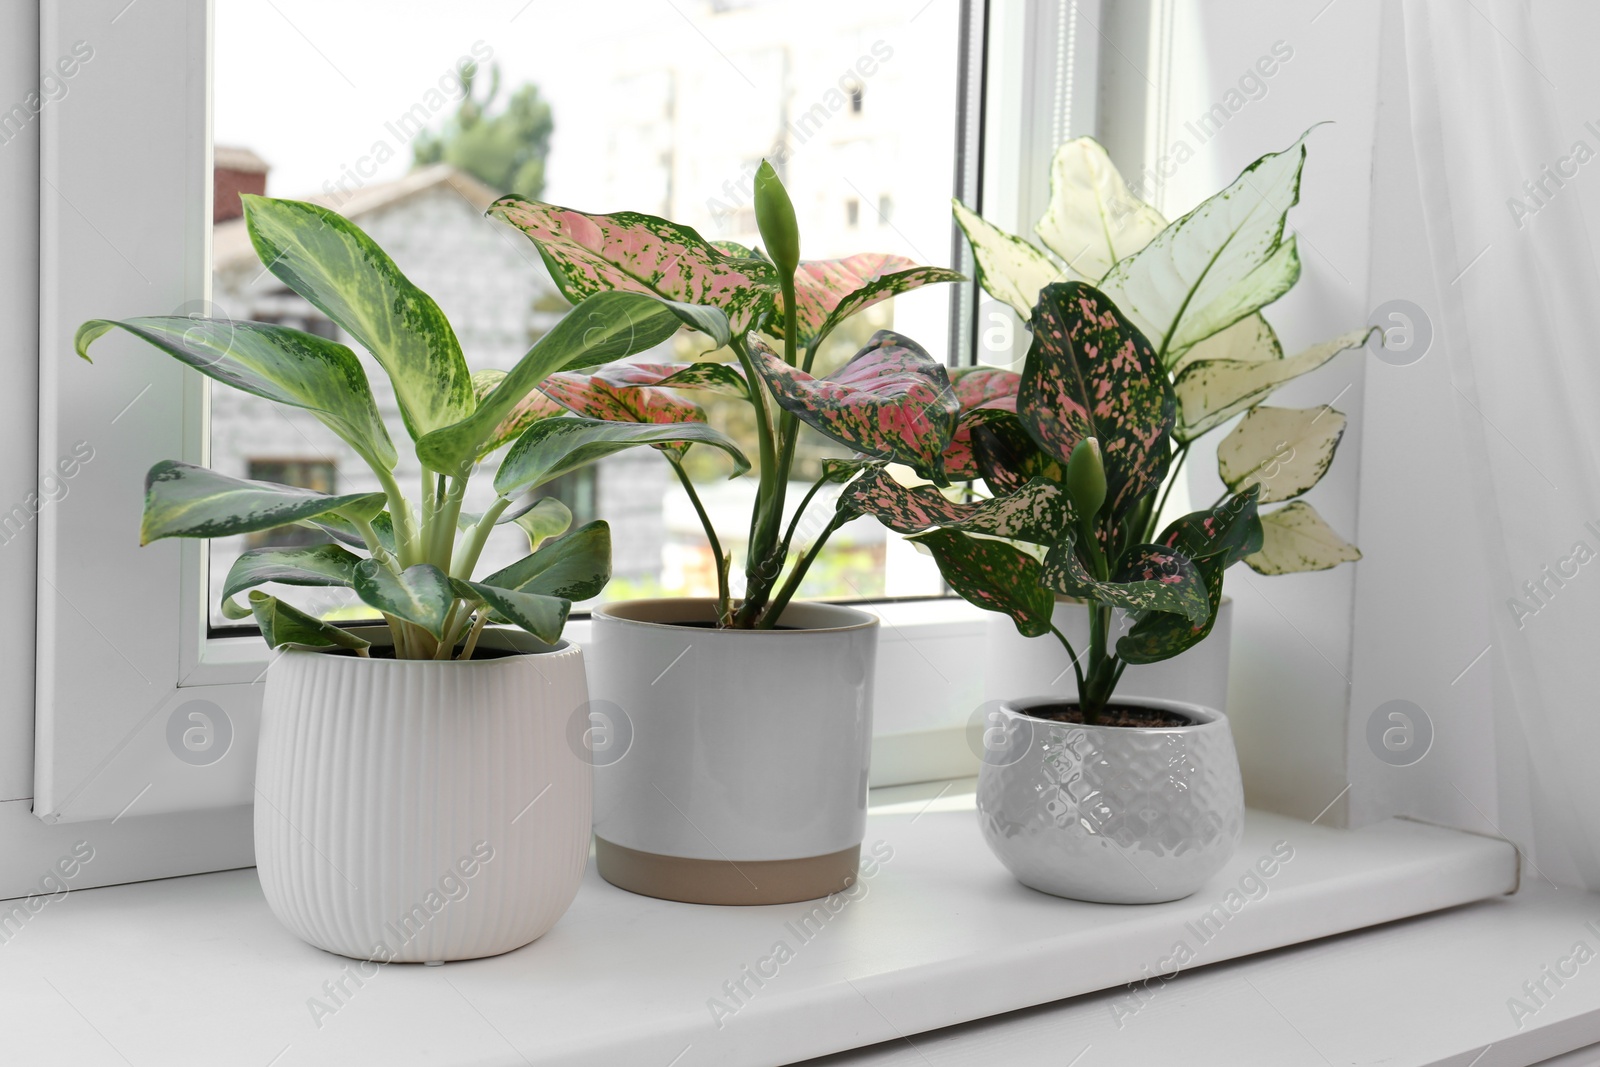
column 539, row 517
column 1038, row 513
column 1091, row 373
column 1224, row 260
column 1093, row 219
column 420, row 594
column 891, row 401
column 328, row 260
column 274, row 362
column 346, row 532
column 1212, row 391
column 638, row 253
column 576, row 567
column 726, row 379
column 553, row 447
column 182, row 500
column 1228, row 532
column 321, row 565
column 1284, row 451
column 527, row 411
column 1010, row 269
column 285, row 626
column 1295, row 539
column 1250, row 340
column 541, row 616
column 1154, row 578
column 994, row 576
column 838, row 471
column 1161, row 635
column 828, row 291
column 604, row 327
column 545, row 518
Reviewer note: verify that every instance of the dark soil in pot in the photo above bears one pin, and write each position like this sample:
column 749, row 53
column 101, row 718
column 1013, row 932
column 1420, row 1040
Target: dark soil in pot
column 706, row 624
column 1113, row 715
column 387, row 652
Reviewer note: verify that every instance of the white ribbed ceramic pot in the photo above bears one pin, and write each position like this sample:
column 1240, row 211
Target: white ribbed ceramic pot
column 1017, row 666
column 422, row 811
column 745, row 778
column 1111, row 814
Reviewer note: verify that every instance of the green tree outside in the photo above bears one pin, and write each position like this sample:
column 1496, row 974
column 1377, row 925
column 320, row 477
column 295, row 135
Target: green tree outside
column 505, row 150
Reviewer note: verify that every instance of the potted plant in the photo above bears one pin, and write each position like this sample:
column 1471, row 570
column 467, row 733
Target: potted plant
column 1195, row 289
column 398, row 765
column 1085, row 794
column 750, row 711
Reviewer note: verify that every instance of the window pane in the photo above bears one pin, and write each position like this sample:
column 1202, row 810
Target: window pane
column 664, row 108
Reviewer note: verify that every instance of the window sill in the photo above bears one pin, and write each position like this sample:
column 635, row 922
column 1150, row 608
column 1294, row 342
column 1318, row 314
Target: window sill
column 941, row 935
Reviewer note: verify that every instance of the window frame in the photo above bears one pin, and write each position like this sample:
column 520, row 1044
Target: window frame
column 101, row 741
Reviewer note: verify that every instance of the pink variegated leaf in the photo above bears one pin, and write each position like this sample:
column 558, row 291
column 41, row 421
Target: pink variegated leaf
column 726, row 379
column 981, row 391
column 891, row 401
column 1038, row 513
column 1091, row 373
column 961, row 460
column 634, row 252
column 593, row 397
column 978, row 387
column 828, row 291
column 1153, row 578
column 529, row 409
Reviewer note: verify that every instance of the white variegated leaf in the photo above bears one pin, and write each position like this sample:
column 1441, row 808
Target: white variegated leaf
column 1250, row 340
column 1093, row 219
column 1212, row 391
column 1010, row 269
column 1286, row 451
column 1224, row 260
column 1294, row 539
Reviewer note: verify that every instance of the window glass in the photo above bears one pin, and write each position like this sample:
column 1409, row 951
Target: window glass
column 410, row 121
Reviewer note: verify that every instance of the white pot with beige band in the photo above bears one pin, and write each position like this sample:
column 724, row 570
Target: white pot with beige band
column 735, row 764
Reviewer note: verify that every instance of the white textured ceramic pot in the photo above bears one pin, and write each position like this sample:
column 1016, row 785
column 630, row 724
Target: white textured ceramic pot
column 1112, row 814
column 1017, row 666
column 425, row 811
column 744, row 778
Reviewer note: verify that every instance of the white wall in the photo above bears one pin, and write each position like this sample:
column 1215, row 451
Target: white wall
column 19, row 427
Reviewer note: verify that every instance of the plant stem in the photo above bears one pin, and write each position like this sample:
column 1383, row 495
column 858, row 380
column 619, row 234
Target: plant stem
column 724, row 603
column 405, row 532
column 375, row 546
column 1101, row 678
column 466, row 557
column 1073, row 655
column 762, row 564
column 769, row 619
column 794, row 522
column 442, row 538
column 472, row 635
column 765, row 454
column 766, row 560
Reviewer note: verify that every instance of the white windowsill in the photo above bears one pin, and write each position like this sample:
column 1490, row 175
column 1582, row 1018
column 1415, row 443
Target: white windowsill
column 196, row 970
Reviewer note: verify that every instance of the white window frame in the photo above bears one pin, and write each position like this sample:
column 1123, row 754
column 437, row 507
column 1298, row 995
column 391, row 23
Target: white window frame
column 105, row 690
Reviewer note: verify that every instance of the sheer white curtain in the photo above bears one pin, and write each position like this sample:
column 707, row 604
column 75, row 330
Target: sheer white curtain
column 1518, row 318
